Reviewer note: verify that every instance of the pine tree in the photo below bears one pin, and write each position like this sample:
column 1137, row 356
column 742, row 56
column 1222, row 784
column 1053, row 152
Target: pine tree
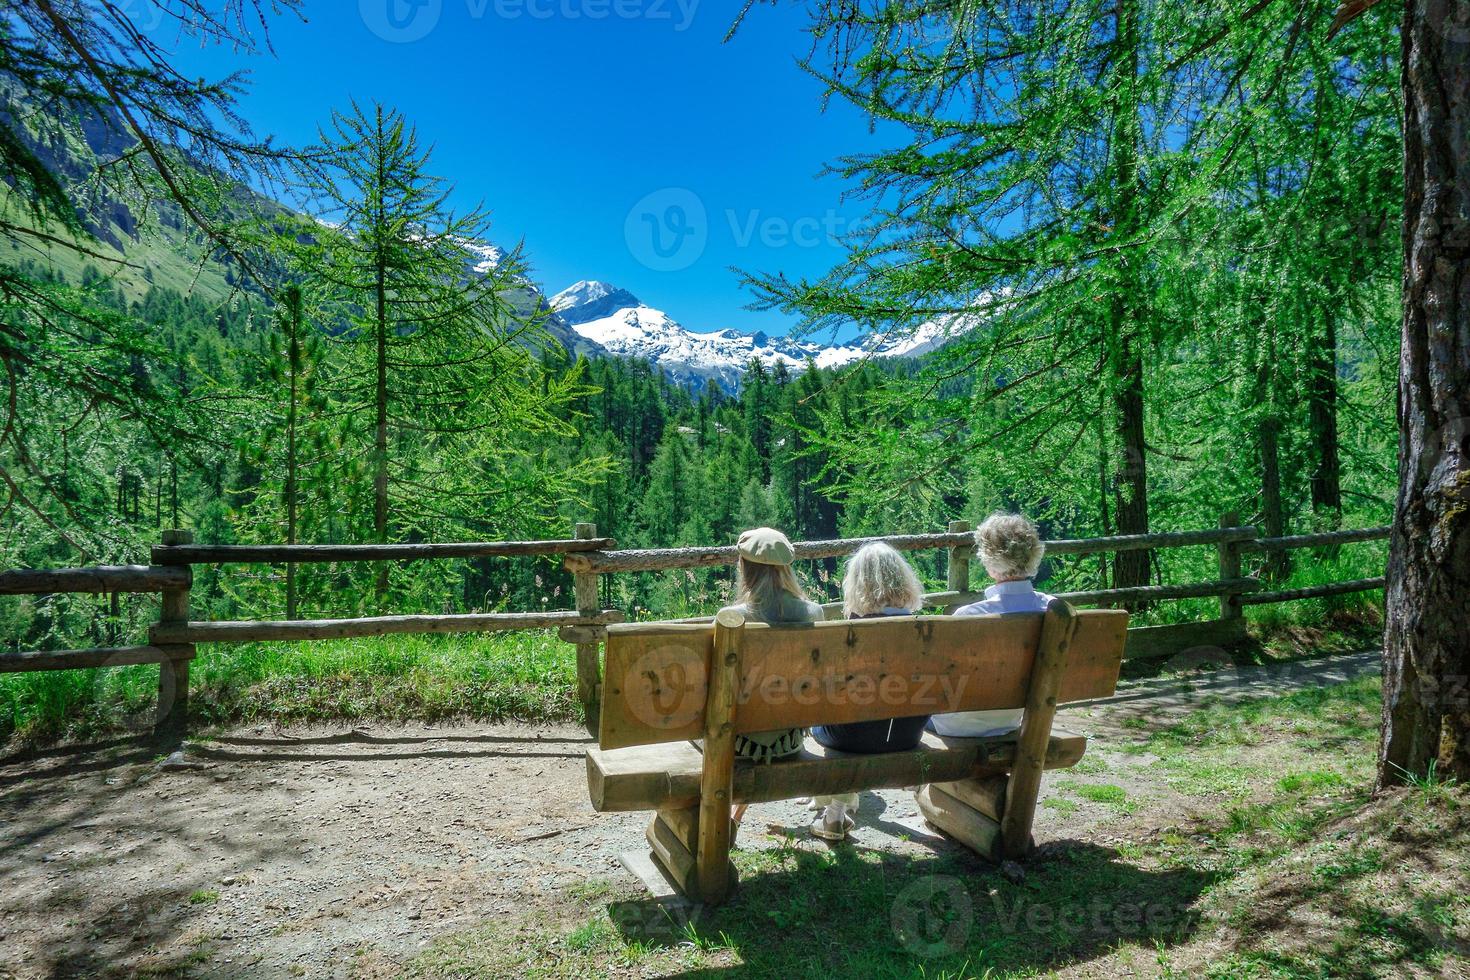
column 434, row 347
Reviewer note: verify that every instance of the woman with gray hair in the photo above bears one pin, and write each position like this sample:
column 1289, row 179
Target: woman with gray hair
column 878, row 582
column 1010, row 548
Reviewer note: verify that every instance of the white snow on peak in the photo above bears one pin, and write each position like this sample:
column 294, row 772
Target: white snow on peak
column 618, row 321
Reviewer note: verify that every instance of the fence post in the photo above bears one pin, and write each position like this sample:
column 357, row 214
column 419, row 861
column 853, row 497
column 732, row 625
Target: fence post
column 1230, row 607
column 589, row 603
column 958, row 578
column 172, row 719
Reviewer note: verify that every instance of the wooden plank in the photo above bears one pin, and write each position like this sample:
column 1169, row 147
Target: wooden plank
column 717, row 779
column 1324, row 539
column 651, row 777
column 582, row 634
column 673, row 856
column 1154, row 593
column 798, row 676
column 1052, row 663
column 1147, row 542
column 978, row 832
column 584, row 588
column 272, row 554
column 684, row 823
column 21, row 663
column 93, row 581
column 660, row 559
column 655, row 681
column 325, row 629
column 1316, row 591
column 957, row 579
column 1166, row 641
column 988, row 796
column 171, row 719
column 1229, row 565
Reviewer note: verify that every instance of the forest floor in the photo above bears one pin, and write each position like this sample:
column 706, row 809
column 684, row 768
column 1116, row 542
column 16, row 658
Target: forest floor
column 1221, row 824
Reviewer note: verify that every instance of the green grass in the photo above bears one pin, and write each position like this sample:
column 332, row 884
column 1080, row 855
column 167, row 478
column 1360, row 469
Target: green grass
column 523, row 676
column 1242, row 828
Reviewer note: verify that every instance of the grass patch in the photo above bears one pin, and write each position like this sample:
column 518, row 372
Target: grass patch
column 1249, row 849
column 521, row 676
column 203, row 897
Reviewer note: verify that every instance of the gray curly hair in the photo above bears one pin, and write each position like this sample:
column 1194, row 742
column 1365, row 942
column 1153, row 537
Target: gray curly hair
column 1009, row 546
column 878, row 578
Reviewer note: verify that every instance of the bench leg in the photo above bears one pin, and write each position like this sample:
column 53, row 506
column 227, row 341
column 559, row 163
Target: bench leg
column 951, row 808
column 673, row 835
column 717, row 781
column 1057, row 630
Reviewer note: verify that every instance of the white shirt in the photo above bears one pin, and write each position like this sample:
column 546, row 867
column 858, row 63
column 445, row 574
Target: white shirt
column 1001, row 599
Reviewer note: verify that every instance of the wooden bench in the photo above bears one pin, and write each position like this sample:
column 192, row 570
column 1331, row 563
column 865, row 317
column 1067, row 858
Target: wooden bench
column 667, row 684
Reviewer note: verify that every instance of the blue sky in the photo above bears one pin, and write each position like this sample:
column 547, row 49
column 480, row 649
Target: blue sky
column 623, row 140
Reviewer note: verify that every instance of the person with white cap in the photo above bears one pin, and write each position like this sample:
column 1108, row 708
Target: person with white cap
column 767, row 591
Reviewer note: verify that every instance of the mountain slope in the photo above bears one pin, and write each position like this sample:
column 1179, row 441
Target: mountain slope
column 620, row 323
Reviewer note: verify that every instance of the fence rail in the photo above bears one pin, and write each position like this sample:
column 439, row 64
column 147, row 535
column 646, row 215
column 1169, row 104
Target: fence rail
column 173, row 640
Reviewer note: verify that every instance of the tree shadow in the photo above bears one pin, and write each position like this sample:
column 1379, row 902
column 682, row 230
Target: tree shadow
column 359, row 737
column 855, row 912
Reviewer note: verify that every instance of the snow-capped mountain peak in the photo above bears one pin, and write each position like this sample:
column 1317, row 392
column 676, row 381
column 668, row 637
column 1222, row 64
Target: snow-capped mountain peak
column 591, row 300
column 618, row 321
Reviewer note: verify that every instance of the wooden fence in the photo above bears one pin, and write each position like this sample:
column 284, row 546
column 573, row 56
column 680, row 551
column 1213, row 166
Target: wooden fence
column 172, row 642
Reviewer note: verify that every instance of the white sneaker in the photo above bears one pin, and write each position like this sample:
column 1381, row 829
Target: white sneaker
column 833, row 823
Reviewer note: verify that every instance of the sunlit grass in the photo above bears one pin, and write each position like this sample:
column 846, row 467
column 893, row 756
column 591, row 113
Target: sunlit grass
column 525, row 676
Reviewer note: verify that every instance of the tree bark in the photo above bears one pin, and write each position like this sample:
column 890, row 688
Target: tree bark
column 1427, row 642
column 293, row 358
column 1273, row 510
column 1322, row 399
column 380, row 386
column 1130, row 476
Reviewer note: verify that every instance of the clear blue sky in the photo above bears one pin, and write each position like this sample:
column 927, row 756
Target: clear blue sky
column 580, row 123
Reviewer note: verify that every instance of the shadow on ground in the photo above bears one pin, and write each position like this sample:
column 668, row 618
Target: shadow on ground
column 850, row 912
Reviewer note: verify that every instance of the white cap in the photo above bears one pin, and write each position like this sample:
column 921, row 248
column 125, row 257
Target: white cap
column 765, row 546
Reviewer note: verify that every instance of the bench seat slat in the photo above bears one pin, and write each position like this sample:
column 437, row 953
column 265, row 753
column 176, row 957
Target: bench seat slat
column 649, row 777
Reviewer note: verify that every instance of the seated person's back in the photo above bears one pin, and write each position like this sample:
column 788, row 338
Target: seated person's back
column 767, row 591
column 1010, row 548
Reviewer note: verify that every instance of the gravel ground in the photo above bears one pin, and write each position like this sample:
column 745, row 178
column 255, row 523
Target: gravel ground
column 316, row 852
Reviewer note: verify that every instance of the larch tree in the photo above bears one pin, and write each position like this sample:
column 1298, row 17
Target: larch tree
column 143, row 141
column 1426, row 656
column 435, row 377
column 1032, row 191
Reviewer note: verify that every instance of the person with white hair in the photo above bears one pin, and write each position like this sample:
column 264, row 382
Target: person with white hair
column 878, row 582
column 1010, row 548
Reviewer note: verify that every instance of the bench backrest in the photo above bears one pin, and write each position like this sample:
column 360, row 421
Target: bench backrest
column 655, row 682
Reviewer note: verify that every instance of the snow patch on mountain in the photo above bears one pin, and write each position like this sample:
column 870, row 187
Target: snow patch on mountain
column 619, row 322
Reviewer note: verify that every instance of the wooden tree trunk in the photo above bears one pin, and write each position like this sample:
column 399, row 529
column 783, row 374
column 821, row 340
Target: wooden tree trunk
column 1427, row 644
column 1130, row 475
column 1130, row 478
column 293, row 357
column 1322, row 399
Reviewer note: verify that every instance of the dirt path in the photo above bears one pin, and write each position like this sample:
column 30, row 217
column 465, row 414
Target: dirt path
column 322, row 853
